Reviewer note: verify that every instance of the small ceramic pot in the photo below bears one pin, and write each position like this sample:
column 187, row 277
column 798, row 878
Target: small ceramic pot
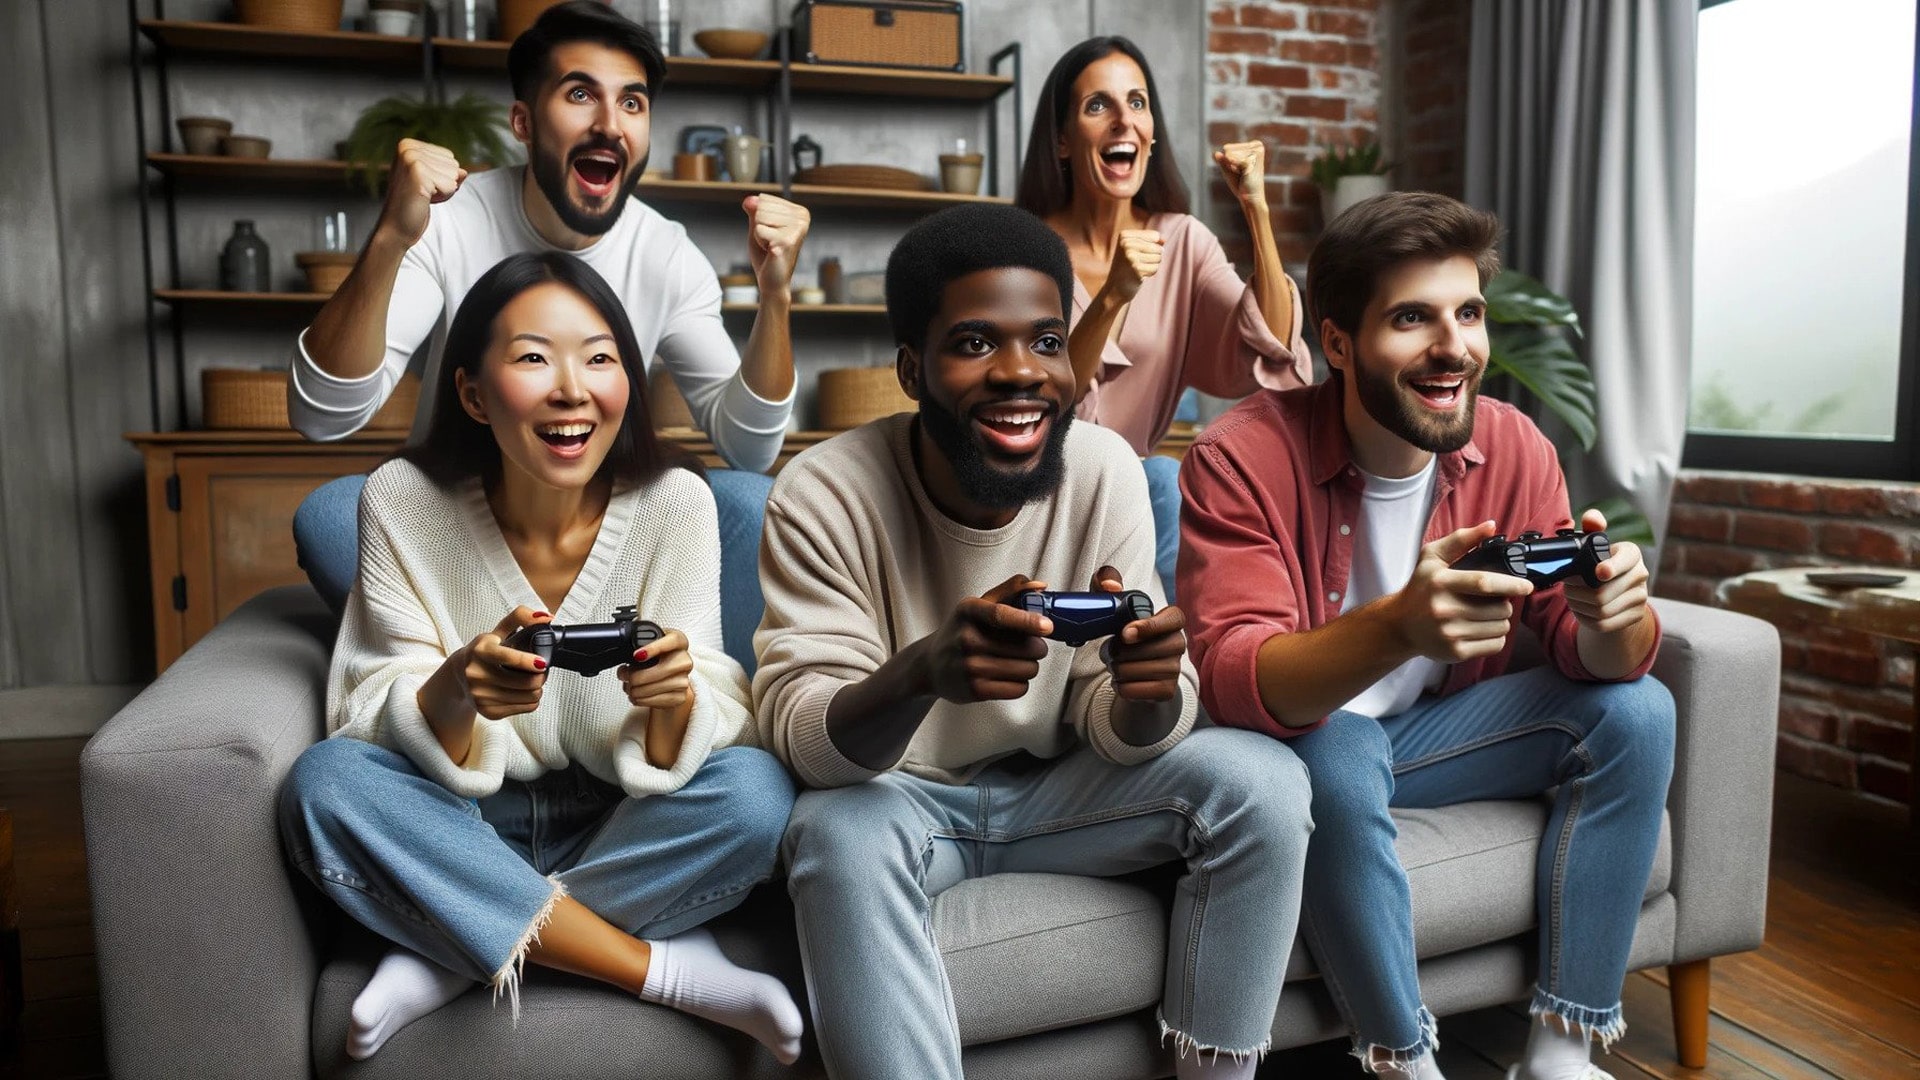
column 245, row 146
column 325, row 270
column 693, row 166
column 202, row 134
column 740, row 294
column 396, row 23
column 960, row 173
column 810, row 295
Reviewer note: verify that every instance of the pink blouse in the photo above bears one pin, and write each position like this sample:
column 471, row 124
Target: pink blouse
column 1195, row 323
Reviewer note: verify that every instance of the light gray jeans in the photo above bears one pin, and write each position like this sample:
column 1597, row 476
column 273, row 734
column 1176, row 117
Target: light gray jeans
column 867, row 860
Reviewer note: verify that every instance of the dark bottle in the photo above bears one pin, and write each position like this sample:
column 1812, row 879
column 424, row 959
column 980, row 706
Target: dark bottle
column 245, row 261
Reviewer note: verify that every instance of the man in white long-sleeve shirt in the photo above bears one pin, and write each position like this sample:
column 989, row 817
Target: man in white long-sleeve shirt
column 583, row 79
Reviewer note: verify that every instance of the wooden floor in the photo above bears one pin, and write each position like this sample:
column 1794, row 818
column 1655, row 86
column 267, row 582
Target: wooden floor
column 1833, row 995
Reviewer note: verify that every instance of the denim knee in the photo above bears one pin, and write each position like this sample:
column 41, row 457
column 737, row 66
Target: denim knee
column 1636, row 724
column 326, row 779
column 1349, row 762
column 852, row 836
column 1248, row 780
column 759, row 796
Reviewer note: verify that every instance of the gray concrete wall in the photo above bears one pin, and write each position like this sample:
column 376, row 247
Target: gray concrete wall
column 73, row 588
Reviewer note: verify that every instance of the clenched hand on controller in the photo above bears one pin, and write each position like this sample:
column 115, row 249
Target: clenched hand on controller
column 989, row 650
column 487, row 678
column 1615, row 630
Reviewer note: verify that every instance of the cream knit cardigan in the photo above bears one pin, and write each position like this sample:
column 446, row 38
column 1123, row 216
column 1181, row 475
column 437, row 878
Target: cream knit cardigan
column 435, row 572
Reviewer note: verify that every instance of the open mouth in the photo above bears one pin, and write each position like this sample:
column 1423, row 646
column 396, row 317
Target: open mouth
column 597, row 171
column 1440, row 392
column 566, row 440
column 1013, row 429
column 1117, row 160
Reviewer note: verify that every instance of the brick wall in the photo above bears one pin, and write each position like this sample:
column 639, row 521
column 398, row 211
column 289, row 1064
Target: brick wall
column 1293, row 75
column 1300, row 74
column 1846, row 699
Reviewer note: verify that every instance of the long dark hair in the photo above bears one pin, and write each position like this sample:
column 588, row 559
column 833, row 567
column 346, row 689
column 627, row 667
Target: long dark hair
column 458, row 447
column 1045, row 187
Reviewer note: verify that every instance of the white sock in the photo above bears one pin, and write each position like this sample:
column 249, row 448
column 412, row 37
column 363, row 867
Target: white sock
column 691, row 974
column 1420, row 1068
column 1554, row 1053
column 1201, row 1065
column 405, row 987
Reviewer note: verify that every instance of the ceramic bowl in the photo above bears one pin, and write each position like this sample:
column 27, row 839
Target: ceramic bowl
column 246, row 146
column 397, row 23
column 202, row 134
column 726, row 44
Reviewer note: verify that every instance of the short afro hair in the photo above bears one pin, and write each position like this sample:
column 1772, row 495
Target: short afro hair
column 530, row 55
column 960, row 241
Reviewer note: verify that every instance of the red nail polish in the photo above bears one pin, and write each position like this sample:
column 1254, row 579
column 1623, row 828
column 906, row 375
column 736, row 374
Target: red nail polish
column 640, row 654
column 541, row 615
column 539, row 664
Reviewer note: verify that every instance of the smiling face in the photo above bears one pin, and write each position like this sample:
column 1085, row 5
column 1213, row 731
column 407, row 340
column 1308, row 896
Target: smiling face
column 551, row 387
column 1108, row 133
column 587, row 133
column 993, row 380
column 1412, row 368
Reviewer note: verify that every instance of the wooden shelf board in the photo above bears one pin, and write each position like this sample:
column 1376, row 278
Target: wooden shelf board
column 238, row 39
column 276, row 170
column 897, row 82
column 241, row 299
column 700, row 190
column 812, row 309
column 811, row 195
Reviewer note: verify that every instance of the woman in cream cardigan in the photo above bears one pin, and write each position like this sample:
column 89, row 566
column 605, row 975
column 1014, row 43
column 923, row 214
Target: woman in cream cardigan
column 480, row 811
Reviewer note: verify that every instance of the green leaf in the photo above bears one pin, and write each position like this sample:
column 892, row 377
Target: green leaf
column 1515, row 298
column 473, row 128
column 1624, row 521
column 1545, row 364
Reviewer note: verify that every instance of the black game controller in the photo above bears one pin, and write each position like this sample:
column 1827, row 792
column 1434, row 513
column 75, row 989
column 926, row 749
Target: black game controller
column 1079, row 617
column 1543, row 560
column 588, row 648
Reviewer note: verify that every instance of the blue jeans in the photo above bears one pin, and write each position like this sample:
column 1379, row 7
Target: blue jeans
column 326, row 539
column 1163, row 496
column 1607, row 747
column 463, row 881
column 867, row 860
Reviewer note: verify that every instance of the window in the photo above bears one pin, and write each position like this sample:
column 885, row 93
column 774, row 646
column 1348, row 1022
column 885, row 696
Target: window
column 1806, row 263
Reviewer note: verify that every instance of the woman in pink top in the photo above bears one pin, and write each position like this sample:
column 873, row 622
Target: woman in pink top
column 1157, row 307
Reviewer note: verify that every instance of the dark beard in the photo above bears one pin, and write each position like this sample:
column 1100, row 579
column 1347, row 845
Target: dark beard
column 550, row 173
column 1386, row 401
column 994, row 488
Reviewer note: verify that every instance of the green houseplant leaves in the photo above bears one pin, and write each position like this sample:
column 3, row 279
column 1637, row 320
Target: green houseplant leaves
column 472, row 127
column 1527, row 325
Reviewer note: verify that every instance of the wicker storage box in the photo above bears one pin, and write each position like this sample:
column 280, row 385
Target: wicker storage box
column 250, row 400
column 881, row 33
column 850, row 397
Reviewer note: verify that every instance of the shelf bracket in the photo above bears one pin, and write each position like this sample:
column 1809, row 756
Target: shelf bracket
column 1010, row 53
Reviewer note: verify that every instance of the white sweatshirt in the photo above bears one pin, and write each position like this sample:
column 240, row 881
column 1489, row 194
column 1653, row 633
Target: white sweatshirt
column 435, row 573
column 670, row 291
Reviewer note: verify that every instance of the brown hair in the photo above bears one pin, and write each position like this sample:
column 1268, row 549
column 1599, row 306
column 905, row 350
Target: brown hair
column 1387, row 230
column 1045, row 187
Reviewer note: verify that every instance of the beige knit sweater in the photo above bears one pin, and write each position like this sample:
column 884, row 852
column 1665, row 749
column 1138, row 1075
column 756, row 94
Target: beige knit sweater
column 857, row 563
column 435, row 573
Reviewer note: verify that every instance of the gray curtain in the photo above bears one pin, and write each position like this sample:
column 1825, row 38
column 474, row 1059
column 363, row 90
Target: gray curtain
column 1580, row 136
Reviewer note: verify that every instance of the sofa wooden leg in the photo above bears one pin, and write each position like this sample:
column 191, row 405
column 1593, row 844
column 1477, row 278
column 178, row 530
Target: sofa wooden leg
column 1688, row 983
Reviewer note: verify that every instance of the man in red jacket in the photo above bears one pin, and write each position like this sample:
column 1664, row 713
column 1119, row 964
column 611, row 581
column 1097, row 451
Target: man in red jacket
column 1318, row 534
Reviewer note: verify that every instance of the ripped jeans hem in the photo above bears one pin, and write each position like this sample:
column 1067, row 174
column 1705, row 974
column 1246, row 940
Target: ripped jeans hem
column 1376, row 1059
column 1184, row 1044
column 1607, row 1025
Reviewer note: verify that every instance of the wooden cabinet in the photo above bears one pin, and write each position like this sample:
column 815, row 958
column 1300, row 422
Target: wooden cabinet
column 220, row 518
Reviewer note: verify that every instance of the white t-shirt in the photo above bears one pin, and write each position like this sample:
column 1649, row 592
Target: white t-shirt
column 671, row 294
column 1386, row 547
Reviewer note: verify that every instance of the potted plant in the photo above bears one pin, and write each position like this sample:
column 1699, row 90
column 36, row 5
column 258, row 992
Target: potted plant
column 1346, row 175
column 472, row 127
column 1527, row 328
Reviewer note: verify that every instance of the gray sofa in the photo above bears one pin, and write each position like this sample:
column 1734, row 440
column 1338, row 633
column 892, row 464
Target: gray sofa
column 217, row 961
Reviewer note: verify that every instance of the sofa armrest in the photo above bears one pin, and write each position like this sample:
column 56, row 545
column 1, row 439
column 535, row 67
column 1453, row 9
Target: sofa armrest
column 207, row 967
column 1724, row 671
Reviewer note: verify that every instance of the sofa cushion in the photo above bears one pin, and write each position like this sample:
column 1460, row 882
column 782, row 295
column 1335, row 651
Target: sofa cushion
column 1025, row 953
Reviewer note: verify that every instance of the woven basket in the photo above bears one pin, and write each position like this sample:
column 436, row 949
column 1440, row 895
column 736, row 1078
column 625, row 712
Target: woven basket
column 664, row 402
column 304, row 15
column 248, row 400
column 850, row 397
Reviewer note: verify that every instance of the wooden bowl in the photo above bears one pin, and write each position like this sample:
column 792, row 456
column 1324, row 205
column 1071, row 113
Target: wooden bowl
column 307, row 16
column 245, row 146
column 202, row 134
column 726, row 44
column 325, row 270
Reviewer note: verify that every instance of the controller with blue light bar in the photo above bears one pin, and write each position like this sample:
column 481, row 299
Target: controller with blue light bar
column 1543, row 560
